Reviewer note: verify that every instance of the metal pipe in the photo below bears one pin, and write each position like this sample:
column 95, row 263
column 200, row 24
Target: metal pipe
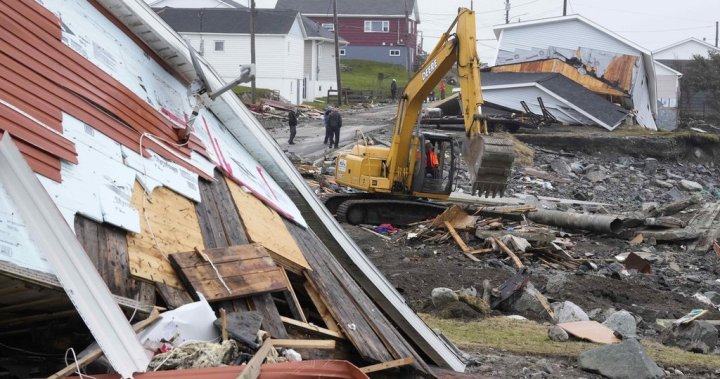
column 593, row 223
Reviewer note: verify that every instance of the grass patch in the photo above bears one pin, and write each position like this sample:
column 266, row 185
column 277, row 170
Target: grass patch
column 363, row 75
column 261, row 92
column 529, row 337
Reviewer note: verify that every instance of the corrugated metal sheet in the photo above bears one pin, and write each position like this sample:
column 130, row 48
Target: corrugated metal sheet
column 572, row 73
column 49, row 76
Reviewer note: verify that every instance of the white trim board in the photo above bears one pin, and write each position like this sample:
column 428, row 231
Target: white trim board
column 73, row 267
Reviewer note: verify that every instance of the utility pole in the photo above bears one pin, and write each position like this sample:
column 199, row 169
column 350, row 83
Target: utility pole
column 337, row 53
column 252, row 46
column 564, row 7
column 408, row 50
column 471, row 5
column 716, row 34
column 507, row 11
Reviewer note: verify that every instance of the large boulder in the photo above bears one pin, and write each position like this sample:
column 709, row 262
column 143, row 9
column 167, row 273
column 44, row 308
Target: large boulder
column 696, row 336
column 527, row 302
column 568, row 312
column 557, row 334
column 625, row 360
column 623, row 323
column 441, row 296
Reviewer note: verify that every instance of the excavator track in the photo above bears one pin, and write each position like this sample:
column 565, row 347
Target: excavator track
column 490, row 160
column 386, row 211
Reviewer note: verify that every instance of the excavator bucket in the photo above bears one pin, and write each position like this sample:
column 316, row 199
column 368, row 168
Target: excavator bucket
column 489, row 160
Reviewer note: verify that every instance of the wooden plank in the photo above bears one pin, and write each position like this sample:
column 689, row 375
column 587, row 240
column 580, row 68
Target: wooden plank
column 228, row 273
column 271, row 318
column 312, row 328
column 515, row 259
column 292, row 300
column 252, row 369
column 706, row 223
column 304, row 344
column 465, row 249
column 330, row 322
column 97, row 352
column 263, row 225
column 173, row 297
column 223, row 324
column 228, row 230
column 388, row 365
column 169, row 223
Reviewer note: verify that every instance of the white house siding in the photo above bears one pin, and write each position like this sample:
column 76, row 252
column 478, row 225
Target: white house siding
column 279, row 61
column 668, row 90
column 309, row 61
column 571, row 34
column 684, row 51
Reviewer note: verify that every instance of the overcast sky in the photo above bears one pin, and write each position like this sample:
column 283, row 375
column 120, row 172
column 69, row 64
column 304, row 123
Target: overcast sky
column 650, row 23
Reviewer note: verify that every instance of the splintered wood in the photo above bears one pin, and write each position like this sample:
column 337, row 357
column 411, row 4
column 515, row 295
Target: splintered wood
column 264, row 226
column 168, row 224
column 244, row 269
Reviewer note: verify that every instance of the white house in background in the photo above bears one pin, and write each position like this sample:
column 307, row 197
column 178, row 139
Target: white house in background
column 194, row 4
column 684, row 50
column 668, row 93
column 589, row 47
column 294, row 55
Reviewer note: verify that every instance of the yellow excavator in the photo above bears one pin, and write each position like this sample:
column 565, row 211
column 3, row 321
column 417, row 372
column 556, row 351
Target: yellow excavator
column 422, row 165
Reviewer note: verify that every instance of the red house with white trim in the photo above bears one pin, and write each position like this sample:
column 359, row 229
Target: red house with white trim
column 376, row 30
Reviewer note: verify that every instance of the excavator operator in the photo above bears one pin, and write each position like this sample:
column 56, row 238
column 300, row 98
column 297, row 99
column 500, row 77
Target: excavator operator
column 431, row 160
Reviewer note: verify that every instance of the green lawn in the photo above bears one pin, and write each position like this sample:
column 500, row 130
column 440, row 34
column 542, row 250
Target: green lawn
column 363, row 75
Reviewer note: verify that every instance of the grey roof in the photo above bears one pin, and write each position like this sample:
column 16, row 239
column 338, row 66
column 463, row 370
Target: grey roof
column 569, row 90
column 224, row 20
column 316, row 31
column 349, row 7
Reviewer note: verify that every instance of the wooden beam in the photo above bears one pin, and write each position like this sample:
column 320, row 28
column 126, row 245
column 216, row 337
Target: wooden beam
column 515, row 259
column 304, row 344
column 388, row 365
column 465, row 249
column 329, row 320
column 252, row 369
column 311, row 328
column 223, row 324
column 97, row 352
column 293, row 301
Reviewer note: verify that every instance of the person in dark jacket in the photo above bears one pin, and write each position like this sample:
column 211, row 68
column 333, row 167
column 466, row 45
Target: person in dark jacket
column 292, row 121
column 334, row 124
column 328, row 131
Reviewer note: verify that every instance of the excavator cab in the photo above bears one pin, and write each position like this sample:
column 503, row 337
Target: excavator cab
column 434, row 165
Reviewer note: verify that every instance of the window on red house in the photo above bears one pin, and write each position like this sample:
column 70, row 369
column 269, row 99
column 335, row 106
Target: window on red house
column 377, row 26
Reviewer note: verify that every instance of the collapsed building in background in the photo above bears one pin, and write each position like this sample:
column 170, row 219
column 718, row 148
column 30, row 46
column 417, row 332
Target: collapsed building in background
column 600, row 60
column 110, row 113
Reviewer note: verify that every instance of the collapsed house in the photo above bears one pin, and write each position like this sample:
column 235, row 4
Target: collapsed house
column 118, row 130
column 600, row 60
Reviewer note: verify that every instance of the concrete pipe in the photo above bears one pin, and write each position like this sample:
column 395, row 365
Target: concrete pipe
column 593, row 223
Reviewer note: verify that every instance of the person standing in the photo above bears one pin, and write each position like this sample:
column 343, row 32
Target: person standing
column 292, row 121
column 393, row 89
column 335, row 123
column 328, row 130
column 442, row 89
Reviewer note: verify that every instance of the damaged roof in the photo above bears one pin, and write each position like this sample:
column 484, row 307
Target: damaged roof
column 223, row 20
column 574, row 95
column 352, row 7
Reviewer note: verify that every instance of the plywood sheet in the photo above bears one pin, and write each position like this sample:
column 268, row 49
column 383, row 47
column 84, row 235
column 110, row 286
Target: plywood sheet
column 264, row 226
column 244, row 269
column 592, row 331
column 168, row 224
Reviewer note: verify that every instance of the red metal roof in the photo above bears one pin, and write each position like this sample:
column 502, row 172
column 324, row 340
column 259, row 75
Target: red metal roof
column 320, row 369
column 42, row 78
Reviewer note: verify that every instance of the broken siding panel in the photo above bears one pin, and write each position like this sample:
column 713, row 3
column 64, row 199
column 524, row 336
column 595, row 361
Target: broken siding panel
column 169, row 224
column 556, row 65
